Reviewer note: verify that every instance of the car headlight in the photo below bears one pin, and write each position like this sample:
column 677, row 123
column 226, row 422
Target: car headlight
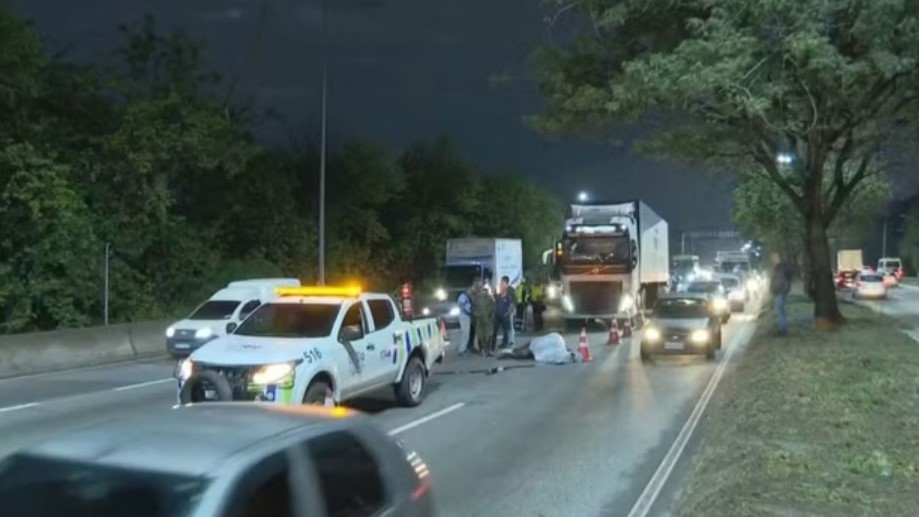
column 567, row 303
column 440, row 294
column 720, row 304
column 425, row 312
column 455, row 311
column 752, row 284
column 736, row 295
column 700, row 337
column 551, row 292
column 627, row 303
column 171, row 331
column 184, row 369
column 651, row 334
column 272, row 373
column 204, row 333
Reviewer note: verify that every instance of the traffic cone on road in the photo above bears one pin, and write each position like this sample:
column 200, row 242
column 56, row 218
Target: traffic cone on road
column 584, row 347
column 613, row 338
column 329, row 399
column 627, row 328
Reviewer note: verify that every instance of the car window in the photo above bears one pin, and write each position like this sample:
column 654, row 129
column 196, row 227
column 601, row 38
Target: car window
column 32, row 486
column 382, row 313
column 292, row 320
column 681, row 308
column 215, row 310
column 264, row 490
column 354, row 318
column 349, row 477
column 248, row 308
column 871, row 278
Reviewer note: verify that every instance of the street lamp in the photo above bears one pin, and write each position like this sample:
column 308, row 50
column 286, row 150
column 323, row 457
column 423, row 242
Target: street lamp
column 784, row 159
column 582, row 197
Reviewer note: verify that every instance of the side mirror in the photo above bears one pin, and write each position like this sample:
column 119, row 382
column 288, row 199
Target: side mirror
column 350, row 333
column 231, row 326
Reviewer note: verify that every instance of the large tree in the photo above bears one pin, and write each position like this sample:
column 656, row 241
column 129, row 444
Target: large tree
column 742, row 82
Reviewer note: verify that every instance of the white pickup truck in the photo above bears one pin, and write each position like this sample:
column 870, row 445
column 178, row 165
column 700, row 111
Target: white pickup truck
column 312, row 341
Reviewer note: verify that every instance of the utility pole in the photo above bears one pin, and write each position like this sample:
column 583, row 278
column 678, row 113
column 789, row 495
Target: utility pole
column 322, row 150
column 105, row 282
column 683, row 244
column 884, row 239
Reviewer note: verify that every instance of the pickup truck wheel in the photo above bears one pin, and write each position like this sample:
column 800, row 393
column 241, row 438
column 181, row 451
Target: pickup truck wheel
column 194, row 388
column 410, row 391
column 315, row 394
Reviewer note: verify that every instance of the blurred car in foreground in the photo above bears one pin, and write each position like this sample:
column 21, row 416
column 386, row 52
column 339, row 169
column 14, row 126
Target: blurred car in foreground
column 682, row 323
column 870, row 285
column 218, row 459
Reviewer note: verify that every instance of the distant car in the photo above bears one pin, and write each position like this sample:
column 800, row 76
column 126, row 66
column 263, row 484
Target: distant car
column 682, row 323
column 716, row 294
column 846, row 279
column 870, row 285
column 736, row 291
column 216, row 460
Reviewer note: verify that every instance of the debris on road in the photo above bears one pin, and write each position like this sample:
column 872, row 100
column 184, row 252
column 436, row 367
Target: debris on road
column 548, row 349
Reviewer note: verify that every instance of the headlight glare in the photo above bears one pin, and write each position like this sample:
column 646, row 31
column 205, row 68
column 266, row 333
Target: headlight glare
column 204, row 333
column 651, row 334
column 455, row 311
column 171, row 331
column 425, row 312
column 700, row 336
column 184, row 369
column 627, row 303
column 272, row 373
column 440, row 294
column 720, row 304
column 551, row 292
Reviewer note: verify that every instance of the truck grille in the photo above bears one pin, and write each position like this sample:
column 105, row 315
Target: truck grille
column 600, row 298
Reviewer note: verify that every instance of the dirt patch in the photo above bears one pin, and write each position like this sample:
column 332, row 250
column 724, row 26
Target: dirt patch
column 814, row 423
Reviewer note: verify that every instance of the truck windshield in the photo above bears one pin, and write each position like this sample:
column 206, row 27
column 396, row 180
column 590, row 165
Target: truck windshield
column 683, row 267
column 606, row 250
column 292, row 320
column 728, row 266
column 460, row 277
column 681, row 308
column 32, row 486
column 215, row 310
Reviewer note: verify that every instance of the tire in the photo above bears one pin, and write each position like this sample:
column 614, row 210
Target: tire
column 710, row 353
column 643, row 353
column 193, row 389
column 411, row 389
column 315, row 393
column 718, row 343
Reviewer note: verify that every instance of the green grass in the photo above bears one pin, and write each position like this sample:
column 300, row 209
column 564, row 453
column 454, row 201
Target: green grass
column 815, row 423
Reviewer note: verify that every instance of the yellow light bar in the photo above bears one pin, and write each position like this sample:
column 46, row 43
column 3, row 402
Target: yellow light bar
column 345, row 291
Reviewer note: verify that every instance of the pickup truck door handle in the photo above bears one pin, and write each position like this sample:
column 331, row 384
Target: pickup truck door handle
column 371, row 347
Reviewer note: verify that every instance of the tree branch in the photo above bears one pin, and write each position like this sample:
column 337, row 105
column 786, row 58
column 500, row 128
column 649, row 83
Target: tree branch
column 845, row 189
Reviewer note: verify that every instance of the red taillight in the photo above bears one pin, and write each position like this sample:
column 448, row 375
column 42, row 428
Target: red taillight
column 420, row 490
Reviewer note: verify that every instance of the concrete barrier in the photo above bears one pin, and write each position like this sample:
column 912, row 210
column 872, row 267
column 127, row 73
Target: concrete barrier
column 40, row 352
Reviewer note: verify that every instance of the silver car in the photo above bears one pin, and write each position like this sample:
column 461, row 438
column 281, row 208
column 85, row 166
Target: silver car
column 219, row 459
column 682, row 323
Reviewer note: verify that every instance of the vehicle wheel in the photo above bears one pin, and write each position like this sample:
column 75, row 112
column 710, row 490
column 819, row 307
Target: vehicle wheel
column 410, row 391
column 645, row 356
column 710, row 353
column 315, row 393
column 193, row 389
column 718, row 343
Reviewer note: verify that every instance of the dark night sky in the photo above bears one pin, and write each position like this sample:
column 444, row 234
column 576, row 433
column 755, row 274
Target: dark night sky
column 401, row 70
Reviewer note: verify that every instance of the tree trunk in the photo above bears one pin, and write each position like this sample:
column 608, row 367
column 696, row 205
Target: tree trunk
column 820, row 272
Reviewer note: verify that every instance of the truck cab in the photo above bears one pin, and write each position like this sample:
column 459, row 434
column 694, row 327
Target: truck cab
column 314, row 343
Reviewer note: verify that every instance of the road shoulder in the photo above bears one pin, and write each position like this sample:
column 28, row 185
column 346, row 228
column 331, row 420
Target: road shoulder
column 812, row 423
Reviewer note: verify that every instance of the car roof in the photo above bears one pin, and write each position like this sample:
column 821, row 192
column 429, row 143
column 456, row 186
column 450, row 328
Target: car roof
column 194, row 439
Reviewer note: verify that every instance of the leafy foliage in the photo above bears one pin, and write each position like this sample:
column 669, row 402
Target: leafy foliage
column 138, row 154
column 739, row 82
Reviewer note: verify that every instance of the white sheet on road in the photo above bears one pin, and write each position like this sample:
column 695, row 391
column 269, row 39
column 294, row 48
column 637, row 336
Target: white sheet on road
column 551, row 349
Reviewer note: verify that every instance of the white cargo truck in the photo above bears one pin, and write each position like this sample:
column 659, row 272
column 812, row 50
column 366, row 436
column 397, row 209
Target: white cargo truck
column 465, row 260
column 612, row 260
column 849, row 260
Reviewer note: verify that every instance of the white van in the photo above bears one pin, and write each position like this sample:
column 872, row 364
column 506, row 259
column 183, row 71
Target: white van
column 231, row 304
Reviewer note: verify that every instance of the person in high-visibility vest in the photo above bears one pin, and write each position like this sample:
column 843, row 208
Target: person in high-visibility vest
column 523, row 299
column 538, row 300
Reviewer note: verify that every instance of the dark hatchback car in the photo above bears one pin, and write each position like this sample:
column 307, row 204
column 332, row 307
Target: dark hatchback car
column 682, row 323
column 219, row 459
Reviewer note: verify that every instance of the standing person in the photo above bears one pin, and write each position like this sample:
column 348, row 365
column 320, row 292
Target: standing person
column 522, row 296
column 505, row 303
column 483, row 317
column 780, row 285
column 538, row 301
column 464, row 300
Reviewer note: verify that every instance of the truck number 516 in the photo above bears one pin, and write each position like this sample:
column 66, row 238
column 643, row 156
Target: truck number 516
column 312, row 356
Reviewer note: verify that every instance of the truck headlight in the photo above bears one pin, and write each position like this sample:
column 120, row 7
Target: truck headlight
column 752, row 284
column 425, row 312
column 651, row 334
column 272, row 373
column 736, row 296
column 184, row 369
column 700, row 337
column 455, row 311
column 204, row 333
column 440, row 294
column 627, row 303
column 551, row 292
column 720, row 304
column 567, row 303
column 171, row 331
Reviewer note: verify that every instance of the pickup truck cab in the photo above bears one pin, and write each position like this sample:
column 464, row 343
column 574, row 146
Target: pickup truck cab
column 312, row 343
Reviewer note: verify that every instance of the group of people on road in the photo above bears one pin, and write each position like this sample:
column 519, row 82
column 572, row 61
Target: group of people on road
column 483, row 314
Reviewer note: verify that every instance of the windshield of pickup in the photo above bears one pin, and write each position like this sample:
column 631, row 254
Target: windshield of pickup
column 32, row 486
column 677, row 308
column 215, row 310
column 291, row 320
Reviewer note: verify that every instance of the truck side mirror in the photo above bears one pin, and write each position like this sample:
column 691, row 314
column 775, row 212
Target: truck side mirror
column 231, row 326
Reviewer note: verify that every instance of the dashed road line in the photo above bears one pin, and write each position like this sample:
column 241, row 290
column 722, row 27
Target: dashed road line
column 143, row 384
column 425, row 419
column 17, row 407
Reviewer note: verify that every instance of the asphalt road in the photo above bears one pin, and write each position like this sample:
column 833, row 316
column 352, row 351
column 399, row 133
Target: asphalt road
column 902, row 304
column 579, row 439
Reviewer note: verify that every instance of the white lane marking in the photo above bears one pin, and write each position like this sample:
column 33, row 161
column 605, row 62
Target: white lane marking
column 18, row 407
column 143, row 384
column 425, row 419
column 656, row 484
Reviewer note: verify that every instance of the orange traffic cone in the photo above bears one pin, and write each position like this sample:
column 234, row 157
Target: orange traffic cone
column 583, row 347
column 613, row 338
column 627, row 328
column 329, row 399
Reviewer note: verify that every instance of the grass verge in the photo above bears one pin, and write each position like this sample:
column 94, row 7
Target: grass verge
column 814, row 423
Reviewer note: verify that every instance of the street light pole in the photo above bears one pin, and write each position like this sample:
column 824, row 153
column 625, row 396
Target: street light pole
column 884, row 240
column 683, row 244
column 322, row 150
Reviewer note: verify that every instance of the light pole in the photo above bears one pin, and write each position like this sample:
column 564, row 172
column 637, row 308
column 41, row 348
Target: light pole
column 322, row 149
